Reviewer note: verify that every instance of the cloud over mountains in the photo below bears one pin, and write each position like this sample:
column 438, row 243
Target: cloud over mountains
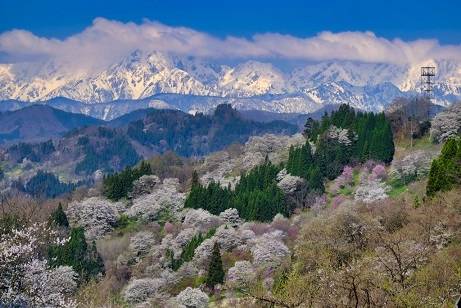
column 106, row 41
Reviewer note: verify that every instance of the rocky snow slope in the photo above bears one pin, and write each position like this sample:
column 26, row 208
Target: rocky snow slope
column 247, row 85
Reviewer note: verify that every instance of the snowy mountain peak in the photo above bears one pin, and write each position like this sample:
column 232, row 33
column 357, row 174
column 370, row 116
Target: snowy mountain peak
column 308, row 86
column 253, row 78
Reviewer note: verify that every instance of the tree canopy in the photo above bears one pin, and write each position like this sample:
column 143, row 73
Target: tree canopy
column 446, row 169
column 256, row 196
column 340, row 138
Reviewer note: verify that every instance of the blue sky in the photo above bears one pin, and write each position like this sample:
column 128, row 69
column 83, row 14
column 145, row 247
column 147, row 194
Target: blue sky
column 389, row 19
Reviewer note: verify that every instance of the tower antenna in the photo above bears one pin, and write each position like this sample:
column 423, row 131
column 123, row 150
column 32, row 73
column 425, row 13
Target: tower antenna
column 427, row 80
column 427, row 83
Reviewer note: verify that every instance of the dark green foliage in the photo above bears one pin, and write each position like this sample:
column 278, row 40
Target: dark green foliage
column 215, row 269
column 83, row 140
column 446, row 169
column 46, row 148
column 105, row 132
column 311, row 127
column 261, row 205
column 331, row 156
column 256, row 196
column 300, row 160
column 189, row 250
column 194, row 181
column 111, row 153
column 126, row 224
column 124, row 221
column 23, row 150
column 90, row 162
column 83, row 258
column 189, row 135
column 374, row 139
column 315, row 180
column 370, row 137
column 213, row 198
column 47, row 185
column 59, row 218
column 34, row 152
column 118, row 185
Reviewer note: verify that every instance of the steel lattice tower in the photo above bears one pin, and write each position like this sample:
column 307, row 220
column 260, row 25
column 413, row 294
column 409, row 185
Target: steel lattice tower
column 427, row 80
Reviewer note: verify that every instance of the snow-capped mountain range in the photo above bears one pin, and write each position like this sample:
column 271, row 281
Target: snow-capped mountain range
column 246, row 85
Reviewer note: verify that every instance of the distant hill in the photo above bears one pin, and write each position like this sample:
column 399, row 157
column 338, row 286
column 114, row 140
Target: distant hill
column 104, row 111
column 190, row 135
column 298, row 119
column 130, row 117
column 39, row 122
column 114, row 145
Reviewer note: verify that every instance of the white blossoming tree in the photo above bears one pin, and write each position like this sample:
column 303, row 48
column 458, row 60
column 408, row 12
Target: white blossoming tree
column 231, row 217
column 288, row 183
column 446, row 124
column 371, row 191
column 139, row 290
column 201, row 219
column 141, row 242
column 96, row 215
column 144, row 185
column 25, row 277
column 412, row 166
column 268, row 251
column 241, row 275
column 340, row 134
column 165, row 197
column 190, row 297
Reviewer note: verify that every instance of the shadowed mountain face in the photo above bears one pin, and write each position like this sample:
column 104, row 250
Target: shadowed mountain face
column 39, row 122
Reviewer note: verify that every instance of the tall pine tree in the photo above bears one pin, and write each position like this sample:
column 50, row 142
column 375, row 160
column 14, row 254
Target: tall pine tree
column 445, row 170
column 215, row 269
column 59, row 218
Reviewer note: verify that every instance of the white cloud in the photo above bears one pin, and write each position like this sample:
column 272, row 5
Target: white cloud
column 106, row 41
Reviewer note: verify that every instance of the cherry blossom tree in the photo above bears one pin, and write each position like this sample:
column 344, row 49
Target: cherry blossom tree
column 241, row 275
column 446, row 124
column 371, row 191
column 190, row 297
column 25, row 276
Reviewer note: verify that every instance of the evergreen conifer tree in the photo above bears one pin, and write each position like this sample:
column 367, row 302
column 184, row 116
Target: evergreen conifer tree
column 446, row 169
column 85, row 260
column 195, row 180
column 215, row 269
column 59, row 218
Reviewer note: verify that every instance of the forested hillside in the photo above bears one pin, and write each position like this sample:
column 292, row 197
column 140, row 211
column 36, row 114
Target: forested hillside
column 39, row 123
column 83, row 154
column 344, row 215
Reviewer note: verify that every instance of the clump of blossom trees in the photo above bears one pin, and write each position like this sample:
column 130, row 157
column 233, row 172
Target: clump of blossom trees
column 341, row 138
column 411, row 167
column 190, row 297
column 446, row 124
column 390, row 254
column 26, row 278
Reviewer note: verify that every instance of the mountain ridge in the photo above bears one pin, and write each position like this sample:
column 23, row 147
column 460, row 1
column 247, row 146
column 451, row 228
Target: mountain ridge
column 40, row 122
column 304, row 88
